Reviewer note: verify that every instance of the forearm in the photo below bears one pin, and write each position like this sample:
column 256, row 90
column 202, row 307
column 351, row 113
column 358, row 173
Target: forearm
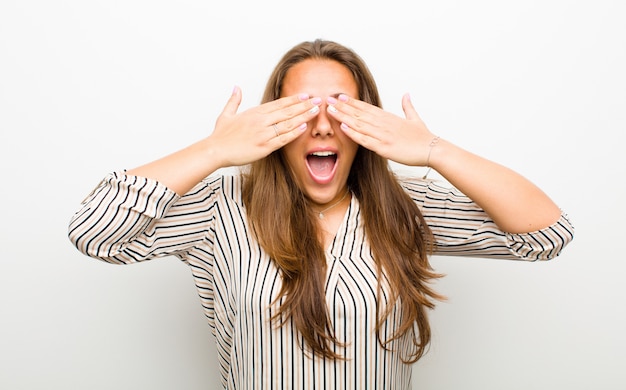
column 515, row 204
column 182, row 170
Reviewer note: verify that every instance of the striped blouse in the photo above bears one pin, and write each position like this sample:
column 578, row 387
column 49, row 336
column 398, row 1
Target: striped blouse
column 128, row 219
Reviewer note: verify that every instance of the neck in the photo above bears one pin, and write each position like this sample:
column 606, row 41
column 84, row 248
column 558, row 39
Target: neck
column 332, row 205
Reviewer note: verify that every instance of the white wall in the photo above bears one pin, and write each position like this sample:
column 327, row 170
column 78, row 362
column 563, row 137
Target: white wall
column 90, row 87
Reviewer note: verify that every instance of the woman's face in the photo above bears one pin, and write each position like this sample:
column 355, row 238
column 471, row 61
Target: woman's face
column 322, row 156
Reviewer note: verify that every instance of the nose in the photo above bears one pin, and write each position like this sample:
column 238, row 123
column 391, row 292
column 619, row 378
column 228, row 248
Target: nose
column 322, row 124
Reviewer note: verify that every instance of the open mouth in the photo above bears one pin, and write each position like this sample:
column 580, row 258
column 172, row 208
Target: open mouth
column 322, row 164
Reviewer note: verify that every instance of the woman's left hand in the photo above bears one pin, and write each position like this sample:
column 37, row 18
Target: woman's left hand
column 403, row 140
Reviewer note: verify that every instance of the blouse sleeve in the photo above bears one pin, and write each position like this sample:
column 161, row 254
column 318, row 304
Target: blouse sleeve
column 462, row 228
column 127, row 219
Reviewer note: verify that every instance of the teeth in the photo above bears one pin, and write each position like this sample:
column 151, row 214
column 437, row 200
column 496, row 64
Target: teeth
column 323, row 154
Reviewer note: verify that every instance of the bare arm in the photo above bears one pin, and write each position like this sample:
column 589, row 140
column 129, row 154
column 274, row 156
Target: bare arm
column 513, row 202
column 183, row 169
column 238, row 139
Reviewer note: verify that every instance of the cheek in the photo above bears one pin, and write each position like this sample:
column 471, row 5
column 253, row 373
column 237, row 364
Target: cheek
column 291, row 155
column 350, row 147
column 348, row 160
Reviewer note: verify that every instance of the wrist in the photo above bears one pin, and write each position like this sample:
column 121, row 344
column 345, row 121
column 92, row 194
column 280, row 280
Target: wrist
column 442, row 154
column 210, row 155
column 433, row 144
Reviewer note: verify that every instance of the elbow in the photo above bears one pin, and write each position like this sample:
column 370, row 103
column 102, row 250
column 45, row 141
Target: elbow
column 89, row 246
column 76, row 239
column 545, row 244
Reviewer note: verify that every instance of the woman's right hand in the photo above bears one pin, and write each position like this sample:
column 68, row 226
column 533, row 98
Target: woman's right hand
column 242, row 138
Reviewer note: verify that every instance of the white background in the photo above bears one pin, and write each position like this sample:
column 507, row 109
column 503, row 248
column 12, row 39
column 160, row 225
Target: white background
column 87, row 87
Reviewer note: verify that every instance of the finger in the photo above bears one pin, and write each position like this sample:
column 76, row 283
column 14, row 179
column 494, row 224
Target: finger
column 285, row 104
column 288, row 136
column 312, row 108
column 360, row 138
column 290, row 118
column 409, row 110
column 350, row 106
column 357, row 115
column 233, row 102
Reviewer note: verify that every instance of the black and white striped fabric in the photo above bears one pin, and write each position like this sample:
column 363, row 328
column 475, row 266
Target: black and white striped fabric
column 129, row 219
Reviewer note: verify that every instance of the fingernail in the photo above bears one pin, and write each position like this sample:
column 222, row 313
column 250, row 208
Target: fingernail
column 317, row 101
column 344, row 126
column 343, row 98
column 331, row 100
column 314, row 110
column 302, row 126
column 235, row 88
column 303, row 96
column 332, row 108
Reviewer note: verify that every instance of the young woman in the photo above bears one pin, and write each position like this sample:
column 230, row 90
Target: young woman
column 312, row 263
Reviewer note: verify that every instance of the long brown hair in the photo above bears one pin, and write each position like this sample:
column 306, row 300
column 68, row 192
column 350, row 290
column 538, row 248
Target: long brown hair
column 287, row 231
